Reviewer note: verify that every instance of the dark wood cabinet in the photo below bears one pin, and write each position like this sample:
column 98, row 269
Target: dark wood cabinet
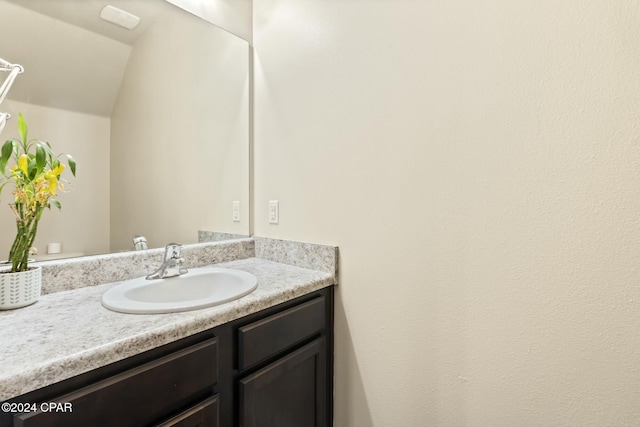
column 143, row 395
column 266, row 337
column 271, row 368
column 290, row 392
column 204, row 414
column 283, row 373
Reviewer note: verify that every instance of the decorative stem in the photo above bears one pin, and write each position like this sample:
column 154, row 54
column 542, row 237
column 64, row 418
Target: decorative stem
column 27, row 229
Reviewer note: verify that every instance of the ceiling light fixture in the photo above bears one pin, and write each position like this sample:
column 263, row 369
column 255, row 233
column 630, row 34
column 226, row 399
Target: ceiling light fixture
column 119, row 17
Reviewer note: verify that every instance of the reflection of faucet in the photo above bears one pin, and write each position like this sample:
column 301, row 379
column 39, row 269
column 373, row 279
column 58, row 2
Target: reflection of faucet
column 139, row 243
column 172, row 264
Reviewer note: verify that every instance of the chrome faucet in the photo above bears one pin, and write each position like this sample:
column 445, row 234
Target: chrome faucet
column 172, row 264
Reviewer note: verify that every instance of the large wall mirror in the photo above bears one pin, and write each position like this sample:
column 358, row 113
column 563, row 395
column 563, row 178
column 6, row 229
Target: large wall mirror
column 157, row 118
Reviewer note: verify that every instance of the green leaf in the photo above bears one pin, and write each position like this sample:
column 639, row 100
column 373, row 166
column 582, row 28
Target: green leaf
column 41, row 158
column 32, row 168
column 56, row 203
column 7, row 149
column 22, row 128
column 47, row 149
column 72, row 164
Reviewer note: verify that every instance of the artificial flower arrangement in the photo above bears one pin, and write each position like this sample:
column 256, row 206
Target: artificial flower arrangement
column 35, row 175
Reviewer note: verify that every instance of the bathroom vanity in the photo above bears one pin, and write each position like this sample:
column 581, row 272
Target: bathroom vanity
column 273, row 367
column 263, row 360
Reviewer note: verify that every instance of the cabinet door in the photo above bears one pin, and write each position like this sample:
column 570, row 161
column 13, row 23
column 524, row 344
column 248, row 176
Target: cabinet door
column 204, row 414
column 291, row 392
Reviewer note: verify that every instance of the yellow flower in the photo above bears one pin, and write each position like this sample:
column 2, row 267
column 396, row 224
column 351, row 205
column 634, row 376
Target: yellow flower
column 53, row 185
column 23, row 163
column 52, row 176
column 57, row 170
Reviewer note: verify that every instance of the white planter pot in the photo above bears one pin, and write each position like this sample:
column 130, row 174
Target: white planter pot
column 20, row 289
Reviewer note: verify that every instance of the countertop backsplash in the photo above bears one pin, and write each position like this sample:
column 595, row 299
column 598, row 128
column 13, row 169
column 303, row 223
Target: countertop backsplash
column 305, row 255
column 73, row 273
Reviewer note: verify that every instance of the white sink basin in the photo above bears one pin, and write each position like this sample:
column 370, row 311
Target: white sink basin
column 199, row 288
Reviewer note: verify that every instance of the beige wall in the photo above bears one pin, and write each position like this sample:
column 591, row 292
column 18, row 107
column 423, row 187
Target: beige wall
column 166, row 152
column 82, row 226
column 477, row 162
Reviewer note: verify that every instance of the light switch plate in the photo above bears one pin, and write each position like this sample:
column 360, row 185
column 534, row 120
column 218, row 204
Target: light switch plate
column 236, row 211
column 274, row 212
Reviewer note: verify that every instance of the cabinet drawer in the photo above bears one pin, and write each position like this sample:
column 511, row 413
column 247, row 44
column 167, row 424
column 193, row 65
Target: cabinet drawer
column 204, row 414
column 136, row 397
column 264, row 338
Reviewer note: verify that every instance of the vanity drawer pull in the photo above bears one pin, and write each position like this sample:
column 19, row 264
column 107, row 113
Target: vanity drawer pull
column 264, row 338
column 132, row 398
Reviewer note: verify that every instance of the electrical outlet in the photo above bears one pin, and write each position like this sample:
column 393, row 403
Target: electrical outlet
column 274, row 212
column 236, row 211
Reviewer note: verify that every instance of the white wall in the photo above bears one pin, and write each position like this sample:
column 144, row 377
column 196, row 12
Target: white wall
column 179, row 134
column 82, row 226
column 63, row 63
column 477, row 162
column 232, row 15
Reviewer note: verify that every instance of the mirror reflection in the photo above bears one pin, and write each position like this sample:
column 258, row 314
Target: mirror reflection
column 156, row 117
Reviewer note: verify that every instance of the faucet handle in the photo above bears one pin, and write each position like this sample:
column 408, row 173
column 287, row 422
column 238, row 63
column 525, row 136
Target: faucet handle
column 172, row 264
column 173, row 251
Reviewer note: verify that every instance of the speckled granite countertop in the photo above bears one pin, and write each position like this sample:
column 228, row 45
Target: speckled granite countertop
column 68, row 333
